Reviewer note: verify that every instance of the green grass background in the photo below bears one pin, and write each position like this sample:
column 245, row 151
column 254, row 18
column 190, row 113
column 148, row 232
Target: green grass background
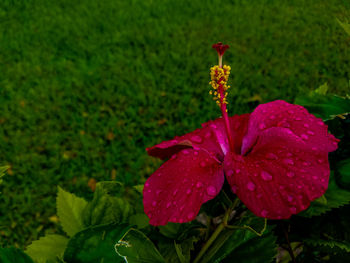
column 85, row 86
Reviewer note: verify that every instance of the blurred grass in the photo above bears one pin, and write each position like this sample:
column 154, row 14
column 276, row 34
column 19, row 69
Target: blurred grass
column 85, row 86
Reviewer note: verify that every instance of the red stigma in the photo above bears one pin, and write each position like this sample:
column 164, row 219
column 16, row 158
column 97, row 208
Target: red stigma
column 220, row 48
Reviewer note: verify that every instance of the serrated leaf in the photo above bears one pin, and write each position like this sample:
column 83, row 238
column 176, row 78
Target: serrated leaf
column 70, row 211
column 95, row 244
column 335, row 197
column 47, row 248
column 342, row 244
column 135, row 247
column 110, row 204
column 3, row 169
column 140, row 220
column 13, row 255
column 184, row 249
column 323, row 106
column 256, row 250
column 343, row 173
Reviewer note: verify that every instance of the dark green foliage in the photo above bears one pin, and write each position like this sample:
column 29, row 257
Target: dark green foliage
column 95, row 244
column 13, row 255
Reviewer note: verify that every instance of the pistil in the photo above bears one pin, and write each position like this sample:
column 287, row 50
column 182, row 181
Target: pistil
column 219, row 76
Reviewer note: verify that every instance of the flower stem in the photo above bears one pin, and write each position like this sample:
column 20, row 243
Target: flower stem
column 216, row 232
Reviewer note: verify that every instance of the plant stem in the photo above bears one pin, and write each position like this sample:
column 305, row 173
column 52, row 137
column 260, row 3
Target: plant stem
column 216, row 232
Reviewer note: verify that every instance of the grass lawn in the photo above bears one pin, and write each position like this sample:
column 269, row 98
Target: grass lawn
column 85, row 86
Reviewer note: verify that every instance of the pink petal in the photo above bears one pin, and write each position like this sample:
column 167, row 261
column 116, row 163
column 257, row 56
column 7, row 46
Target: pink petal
column 294, row 117
column 211, row 138
column 280, row 175
column 176, row 191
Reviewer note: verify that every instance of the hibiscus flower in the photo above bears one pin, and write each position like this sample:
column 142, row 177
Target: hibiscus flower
column 275, row 160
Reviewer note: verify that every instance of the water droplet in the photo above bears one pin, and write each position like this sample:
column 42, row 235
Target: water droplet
column 236, row 125
column 174, row 202
column 281, row 187
column 238, row 171
column 199, row 184
column 188, row 191
column 272, row 117
column 190, row 215
column 154, row 203
column 202, row 164
column 230, row 173
column 266, row 176
column 290, row 198
column 264, row 213
column 146, row 184
column 195, row 153
column 320, row 123
column 297, row 119
column 251, row 186
column 315, row 177
column 290, row 111
column 182, row 208
column 259, row 196
column 211, row 190
column 168, row 204
column 175, row 192
column 196, row 139
column 299, row 187
column 149, row 190
column 304, row 137
column 262, row 126
column 271, row 156
column 310, row 132
column 234, row 188
column 213, row 126
column 290, row 174
column 288, row 161
column 207, row 135
column 303, row 170
column 306, row 163
column 314, row 148
column 289, row 154
column 306, row 125
column 300, row 196
column 185, row 152
column 320, row 161
column 173, row 157
column 158, row 192
column 293, row 210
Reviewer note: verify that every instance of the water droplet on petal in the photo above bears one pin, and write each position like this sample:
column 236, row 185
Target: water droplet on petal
column 146, row 184
column 202, row 164
column 293, row 210
column 207, row 135
column 299, row 187
column 173, row 157
column 154, row 203
column 290, row 198
column 188, row 191
column 195, row 153
column 234, row 188
column 182, row 208
column 190, row 215
column 306, row 125
column 185, row 152
column 175, row 192
column 304, row 137
column 251, row 186
column 196, row 139
column 272, row 117
column 262, row 126
column 297, row 119
column 320, row 123
column 315, row 177
column 310, row 132
column 314, row 148
column 271, row 156
column 199, row 184
column 213, row 126
column 263, row 213
column 288, row 161
column 259, row 196
column 281, row 187
column 290, row 111
column 306, row 163
column 211, row 190
column 238, row 171
column 320, row 161
column 158, row 192
column 289, row 154
column 266, row 176
column 290, row 174
column 168, row 204
column 230, row 173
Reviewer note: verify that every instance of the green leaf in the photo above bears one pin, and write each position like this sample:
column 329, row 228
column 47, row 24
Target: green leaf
column 95, row 244
column 139, row 220
column 335, row 197
column 345, row 26
column 342, row 244
column 70, row 211
column 343, row 173
column 47, row 248
column 256, row 250
column 13, row 255
column 110, row 204
column 135, row 247
column 324, row 106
